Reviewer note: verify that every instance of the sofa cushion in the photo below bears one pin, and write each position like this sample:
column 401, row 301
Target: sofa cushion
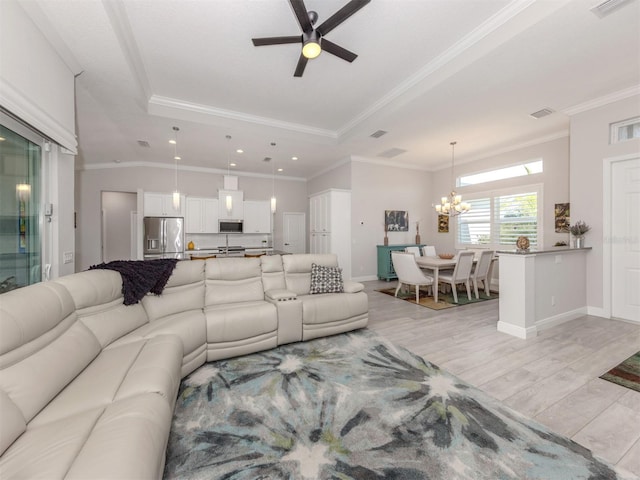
column 272, row 272
column 233, row 280
column 119, row 372
column 331, row 307
column 126, row 439
column 227, row 323
column 326, row 279
column 297, row 270
column 98, row 297
column 12, row 422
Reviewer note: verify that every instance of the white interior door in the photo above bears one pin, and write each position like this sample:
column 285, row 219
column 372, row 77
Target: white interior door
column 625, row 240
column 294, row 236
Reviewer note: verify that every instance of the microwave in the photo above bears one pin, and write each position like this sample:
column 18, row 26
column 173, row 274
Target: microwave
column 230, row 226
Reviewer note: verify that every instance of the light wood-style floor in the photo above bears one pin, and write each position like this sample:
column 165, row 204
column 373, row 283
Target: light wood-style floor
column 552, row 378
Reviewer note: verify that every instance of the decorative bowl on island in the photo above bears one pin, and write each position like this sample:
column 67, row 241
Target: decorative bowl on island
column 446, row 256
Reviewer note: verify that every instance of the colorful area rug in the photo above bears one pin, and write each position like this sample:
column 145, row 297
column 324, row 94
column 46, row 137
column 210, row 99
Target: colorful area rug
column 626, row 374
column 445, row 300
column 354, row 406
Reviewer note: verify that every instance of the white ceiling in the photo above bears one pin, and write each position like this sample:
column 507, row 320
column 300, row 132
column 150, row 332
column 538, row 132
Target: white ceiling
column 428, row 72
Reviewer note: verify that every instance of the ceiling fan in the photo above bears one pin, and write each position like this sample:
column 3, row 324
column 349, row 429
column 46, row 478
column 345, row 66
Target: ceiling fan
column 312, row 38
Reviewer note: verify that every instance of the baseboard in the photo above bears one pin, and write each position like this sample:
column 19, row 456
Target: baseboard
column 517, row 331
column 366, row 278
column 598, row 312
column 560, row 318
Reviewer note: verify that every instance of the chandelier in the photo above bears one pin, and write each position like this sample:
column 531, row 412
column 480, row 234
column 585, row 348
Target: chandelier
column 453, row 204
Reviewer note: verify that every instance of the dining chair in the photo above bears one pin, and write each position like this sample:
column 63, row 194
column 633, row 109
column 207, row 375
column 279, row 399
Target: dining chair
column 460, row 274
column 481, row 272
column 409, row 273
column 429, row 251
column 414, row 250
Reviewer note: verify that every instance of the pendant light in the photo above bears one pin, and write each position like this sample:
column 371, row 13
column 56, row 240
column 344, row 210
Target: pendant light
column 176, row 192
column 228, row 201
column 453, row 204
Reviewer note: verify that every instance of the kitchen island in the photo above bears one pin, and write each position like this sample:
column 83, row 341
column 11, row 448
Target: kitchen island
column 540, row 289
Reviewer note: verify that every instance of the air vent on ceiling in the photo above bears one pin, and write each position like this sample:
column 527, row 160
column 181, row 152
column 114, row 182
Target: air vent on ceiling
column 392, row 152
column 378, row 134
column 144, row 143
column 608, row 6
column 266, row 159
column 541, row 113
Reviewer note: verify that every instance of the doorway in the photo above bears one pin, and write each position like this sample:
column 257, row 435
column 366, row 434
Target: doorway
column 625, row 239
column 294, row 237
column 119, row 215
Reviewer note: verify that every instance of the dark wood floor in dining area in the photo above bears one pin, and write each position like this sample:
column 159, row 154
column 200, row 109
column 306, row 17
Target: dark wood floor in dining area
column 552, row 378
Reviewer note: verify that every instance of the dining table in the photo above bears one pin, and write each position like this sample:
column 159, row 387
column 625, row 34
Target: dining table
column 435, row 264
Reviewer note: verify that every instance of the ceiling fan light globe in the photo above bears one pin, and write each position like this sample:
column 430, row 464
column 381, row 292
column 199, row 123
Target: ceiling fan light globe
column 311, row 49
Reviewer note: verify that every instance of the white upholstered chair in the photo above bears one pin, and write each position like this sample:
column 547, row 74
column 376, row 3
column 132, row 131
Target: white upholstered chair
column 460, row 274
column 481, row 271
column 408, row 272
column 414, row 250
column 429, row 251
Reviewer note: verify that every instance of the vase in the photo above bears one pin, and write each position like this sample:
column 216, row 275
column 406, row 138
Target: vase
column 578, row 242
column 418, row 239
column 386, row 240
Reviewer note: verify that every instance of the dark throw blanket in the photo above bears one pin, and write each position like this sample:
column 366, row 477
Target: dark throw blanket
column 140, row 277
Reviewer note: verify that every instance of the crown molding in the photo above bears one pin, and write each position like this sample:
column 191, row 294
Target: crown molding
column 23, row 108
column 602, row 101
column 182, row 168
column 174, row 103
column 388, row 163
column 472, row 38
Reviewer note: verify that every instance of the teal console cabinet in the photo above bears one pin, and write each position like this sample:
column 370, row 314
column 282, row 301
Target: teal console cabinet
column 385, row 267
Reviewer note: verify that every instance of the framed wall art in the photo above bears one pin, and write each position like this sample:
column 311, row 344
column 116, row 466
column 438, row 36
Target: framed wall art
column 562, row 218
column 396, row 220
column 443, row 223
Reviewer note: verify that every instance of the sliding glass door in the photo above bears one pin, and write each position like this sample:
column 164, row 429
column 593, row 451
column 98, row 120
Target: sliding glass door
column 20, row 206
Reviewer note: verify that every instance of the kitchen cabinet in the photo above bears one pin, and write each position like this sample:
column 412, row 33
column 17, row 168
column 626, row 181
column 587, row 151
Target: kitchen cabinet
column 257, row 216
column 237, row 199
column 330, row 222
column 161, row 205
column 201, row 215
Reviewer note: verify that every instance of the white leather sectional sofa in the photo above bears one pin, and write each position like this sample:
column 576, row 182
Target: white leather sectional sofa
column 88, row 385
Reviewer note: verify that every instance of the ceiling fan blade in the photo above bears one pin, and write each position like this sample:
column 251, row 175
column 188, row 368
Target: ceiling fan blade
column 340, row 16
column 302, row 63
column 258, row 42
column 338, row 51
column 302, row 15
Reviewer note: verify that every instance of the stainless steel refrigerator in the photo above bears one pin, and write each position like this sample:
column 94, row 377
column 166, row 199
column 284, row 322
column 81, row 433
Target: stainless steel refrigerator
column 163, row 237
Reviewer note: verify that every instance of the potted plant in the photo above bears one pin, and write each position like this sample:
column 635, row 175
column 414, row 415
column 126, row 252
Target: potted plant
column 578, row 230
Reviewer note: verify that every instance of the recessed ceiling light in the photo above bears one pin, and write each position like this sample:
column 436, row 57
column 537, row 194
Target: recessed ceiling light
column 280, row 169
column 177, row 158
column 294, row 158
column 232, row 164
column 172, row 142
column 239, row 150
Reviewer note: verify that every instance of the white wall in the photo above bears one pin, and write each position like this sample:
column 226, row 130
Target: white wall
column 35, row 84
column 374, row 189
column 291, row 195
column 338, row 178
column 117, row 208
column 555, row 178
column 589, row 147
column 38, row 88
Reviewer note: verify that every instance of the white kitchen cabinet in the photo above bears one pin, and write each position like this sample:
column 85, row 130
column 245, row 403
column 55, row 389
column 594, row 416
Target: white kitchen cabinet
column 161, row 205
column 237, row 200
column 257, row 216
column 330, row 221
column 201, row 215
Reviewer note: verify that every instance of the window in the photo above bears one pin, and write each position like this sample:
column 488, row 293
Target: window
column 625, row 130
column 496, row 220
column 513, row 171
